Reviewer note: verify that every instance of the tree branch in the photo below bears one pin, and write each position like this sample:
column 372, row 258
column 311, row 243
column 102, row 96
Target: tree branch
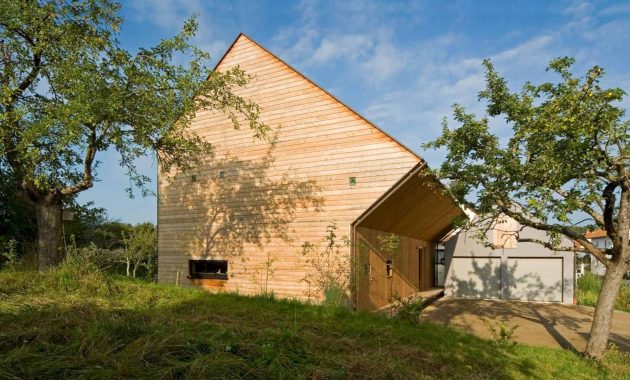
column 609, row 210
column 88, row 161
column 550, row 246
column 599, row 219
column 560, row 229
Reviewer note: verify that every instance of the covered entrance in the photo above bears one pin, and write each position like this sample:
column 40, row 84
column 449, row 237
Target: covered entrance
column 395, row 240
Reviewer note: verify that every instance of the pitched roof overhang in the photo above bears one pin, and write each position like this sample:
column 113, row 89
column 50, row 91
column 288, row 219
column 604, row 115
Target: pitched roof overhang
column 417, row 206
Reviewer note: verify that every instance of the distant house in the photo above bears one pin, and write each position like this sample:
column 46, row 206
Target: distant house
column 516, row 271
column 600, row 239
column 238, row 221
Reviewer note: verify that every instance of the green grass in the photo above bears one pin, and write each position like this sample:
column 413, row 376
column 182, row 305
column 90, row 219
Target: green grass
column 588, row 287
column 74, row 323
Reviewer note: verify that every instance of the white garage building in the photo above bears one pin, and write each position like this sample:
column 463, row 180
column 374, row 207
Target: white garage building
column 518, row 271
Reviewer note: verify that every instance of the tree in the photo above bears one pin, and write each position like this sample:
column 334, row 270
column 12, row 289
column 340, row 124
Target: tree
column 140, row 249
column 565, row 166
column 68, row 91
column 17, row 219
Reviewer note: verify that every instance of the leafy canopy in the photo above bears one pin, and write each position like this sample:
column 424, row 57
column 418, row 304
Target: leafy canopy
column 566, row 163
column 69, row 90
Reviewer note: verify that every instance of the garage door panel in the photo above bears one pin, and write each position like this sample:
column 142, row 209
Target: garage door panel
column 474, row 277
column 535, row 279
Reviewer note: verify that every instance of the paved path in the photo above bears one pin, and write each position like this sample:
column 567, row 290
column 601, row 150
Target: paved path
column 540, row 324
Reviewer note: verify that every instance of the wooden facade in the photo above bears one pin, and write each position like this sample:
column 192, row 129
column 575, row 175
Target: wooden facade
column 254, row 202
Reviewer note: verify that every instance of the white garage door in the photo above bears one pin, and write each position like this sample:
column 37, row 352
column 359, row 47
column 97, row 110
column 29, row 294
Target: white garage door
column 475, row 277
column 535, row 279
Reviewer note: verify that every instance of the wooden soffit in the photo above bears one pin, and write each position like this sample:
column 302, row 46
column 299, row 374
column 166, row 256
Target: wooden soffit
column 417, row 206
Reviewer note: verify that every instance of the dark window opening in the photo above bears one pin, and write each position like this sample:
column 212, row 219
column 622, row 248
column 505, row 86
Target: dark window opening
column 213, row 269
column 352, row 181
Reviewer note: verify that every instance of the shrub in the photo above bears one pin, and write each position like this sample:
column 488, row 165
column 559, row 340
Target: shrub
column 79, row 272
column 329, row 274
column 408, row 309
column 589, row 282
column 502, row 334
column 588, row 287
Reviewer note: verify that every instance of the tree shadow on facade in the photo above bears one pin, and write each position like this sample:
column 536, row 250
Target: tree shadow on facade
column 233, row 201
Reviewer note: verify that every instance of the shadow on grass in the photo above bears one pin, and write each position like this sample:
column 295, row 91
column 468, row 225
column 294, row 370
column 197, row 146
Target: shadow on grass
column 145, row 331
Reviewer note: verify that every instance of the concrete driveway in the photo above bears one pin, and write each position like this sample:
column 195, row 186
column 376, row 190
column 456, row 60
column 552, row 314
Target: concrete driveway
column 540, row 324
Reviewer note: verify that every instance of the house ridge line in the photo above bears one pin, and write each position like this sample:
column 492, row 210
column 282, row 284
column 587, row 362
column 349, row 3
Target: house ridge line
column 373, row 125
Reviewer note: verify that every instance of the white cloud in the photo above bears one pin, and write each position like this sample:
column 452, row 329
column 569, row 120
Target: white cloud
column 170, row 15
column 615, row 10
column 167, row 14
column 346, row 47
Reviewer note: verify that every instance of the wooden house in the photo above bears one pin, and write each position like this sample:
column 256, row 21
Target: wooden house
column 239, row 220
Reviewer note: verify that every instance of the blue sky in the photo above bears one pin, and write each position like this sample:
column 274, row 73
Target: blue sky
column 400, row 64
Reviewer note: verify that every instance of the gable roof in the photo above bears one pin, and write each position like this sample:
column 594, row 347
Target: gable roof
column 242, row 35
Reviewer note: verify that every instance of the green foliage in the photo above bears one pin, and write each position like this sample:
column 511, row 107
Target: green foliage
column 589, row 286
column 9, row 257
column 567, row 156
column 390, row 244
column 18, row 227
column 143, row 330
column 79, row 271
column 565, row 162
column 502, row 334
column 69, row 90
column 140, row 249
column 614, row 358
column 329, row 268
column 408, row 309
column 589, row 282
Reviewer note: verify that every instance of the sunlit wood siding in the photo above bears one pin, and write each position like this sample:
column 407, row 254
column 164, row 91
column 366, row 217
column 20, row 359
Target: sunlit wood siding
column 254, row 204
column 412, row 268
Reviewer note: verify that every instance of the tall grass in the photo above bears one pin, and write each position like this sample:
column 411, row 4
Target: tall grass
column 75, row 323
column 589, row 286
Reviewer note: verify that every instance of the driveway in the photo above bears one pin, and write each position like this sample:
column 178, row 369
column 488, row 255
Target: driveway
column 540, row 324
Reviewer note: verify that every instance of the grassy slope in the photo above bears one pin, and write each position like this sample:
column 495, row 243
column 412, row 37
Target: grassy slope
column 66, row 325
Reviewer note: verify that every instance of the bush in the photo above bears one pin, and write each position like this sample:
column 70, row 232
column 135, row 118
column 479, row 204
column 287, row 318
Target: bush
column 588, row 287
column 79, row 272
column 329, row 270
column 408, row 309
column 589, row 282
column 502, row 334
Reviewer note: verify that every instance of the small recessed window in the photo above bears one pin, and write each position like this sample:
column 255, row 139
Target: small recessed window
column 212, row 269
column 193, row 178
column 352, row 181
column 221, row 174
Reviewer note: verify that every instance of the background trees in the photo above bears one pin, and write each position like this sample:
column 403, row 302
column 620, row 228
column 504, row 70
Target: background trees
column 565, row 166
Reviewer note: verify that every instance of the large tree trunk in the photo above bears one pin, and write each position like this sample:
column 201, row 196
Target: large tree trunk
column 602, row 319
column 49, row 233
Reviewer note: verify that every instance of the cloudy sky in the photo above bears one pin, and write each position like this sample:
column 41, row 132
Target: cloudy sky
column 400, row 64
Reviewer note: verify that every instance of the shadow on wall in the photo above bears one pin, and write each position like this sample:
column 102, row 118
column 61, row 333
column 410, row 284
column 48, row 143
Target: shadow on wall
column 482, row 278
column 233, row 201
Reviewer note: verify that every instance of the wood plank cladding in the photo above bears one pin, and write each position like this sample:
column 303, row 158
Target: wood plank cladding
column 254, row 203
column 412, row 268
